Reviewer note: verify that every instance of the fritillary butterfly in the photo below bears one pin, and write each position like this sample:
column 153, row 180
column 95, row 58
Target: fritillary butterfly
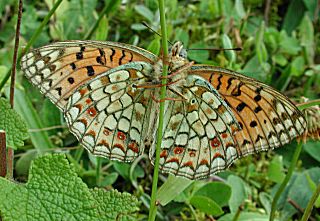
column 213, row 116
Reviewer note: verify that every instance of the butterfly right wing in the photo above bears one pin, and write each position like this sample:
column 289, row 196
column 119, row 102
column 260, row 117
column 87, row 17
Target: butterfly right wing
column 109, row 115
column 60, row 68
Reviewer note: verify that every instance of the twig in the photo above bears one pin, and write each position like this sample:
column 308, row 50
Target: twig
column 266, row 12
column 3, row 154
column 297, row 207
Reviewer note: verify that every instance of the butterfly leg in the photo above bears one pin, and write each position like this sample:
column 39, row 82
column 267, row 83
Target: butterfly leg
column 181, row 69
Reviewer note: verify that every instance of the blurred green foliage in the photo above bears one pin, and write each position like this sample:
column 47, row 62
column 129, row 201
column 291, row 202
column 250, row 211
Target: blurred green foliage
column 280, row 46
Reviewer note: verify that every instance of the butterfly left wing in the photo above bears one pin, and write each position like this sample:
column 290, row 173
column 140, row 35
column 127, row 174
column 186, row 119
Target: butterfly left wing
column 268, row 118
column 109, row 115
column 198, row 131
column 58, row 69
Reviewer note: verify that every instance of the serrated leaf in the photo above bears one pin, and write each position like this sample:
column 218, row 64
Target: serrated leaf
column 54, row 192
column 14, row 126
column 206, row 205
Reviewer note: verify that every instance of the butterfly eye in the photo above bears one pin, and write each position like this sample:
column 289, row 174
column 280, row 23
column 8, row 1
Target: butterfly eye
column 183, row 53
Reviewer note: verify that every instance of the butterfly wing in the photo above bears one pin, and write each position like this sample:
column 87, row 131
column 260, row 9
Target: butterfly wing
column 60, row 68
column 198, row 132
column 109, row 116
column 268, row 118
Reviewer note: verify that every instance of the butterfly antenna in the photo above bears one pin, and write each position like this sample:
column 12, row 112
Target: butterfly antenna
column 151, row 29
column 214, row 49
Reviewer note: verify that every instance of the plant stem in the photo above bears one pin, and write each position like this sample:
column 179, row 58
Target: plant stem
column 285, row 181
column 311, row 202
column 10, row 154
column 32, row 40
column 3, row 154
column 153, row 207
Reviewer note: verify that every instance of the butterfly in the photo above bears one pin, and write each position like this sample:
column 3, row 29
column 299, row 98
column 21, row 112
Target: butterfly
column 109, row 95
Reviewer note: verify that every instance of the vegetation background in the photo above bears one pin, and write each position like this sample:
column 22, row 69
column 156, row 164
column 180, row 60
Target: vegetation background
column 280, row 46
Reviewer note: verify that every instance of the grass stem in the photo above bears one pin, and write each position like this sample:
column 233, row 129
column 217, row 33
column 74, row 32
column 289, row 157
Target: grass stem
column 285, row 181
column 153, row 206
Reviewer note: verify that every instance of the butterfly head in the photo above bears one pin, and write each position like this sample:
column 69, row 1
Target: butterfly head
column 177, row 50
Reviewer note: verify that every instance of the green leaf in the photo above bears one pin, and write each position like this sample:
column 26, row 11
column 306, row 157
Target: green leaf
column 280, row 59
column 198, row 55
column 275, row 170
column 154, row 46
column 239, row 8
column 313, row 187
column 172, row 188
column 24, row 107
column 54, row 192
column 245, row 216
column 206, row 205
column 216, row 191
column 103, row 29
column 261, row 50
column 226, row 42
column 14, row 126
column 293, row 16
column 307, row 39
column 289, row 45
column 145, row 12
column 265, row 200
column 238, row 194
column 297, row 66
column 313, row 149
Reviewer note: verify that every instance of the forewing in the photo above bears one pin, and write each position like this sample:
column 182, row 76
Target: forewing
column 198, row 136
column 109, row 116
column 268, row 118
column 60, row 68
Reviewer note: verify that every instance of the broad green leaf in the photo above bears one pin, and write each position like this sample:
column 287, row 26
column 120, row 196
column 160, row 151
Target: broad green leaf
column 238, row 194
column 312, row 6
column 154, row 46
column 313, row 149
column 297, row 66
column 172, row 188
column 14, row 126
column 216, row 191
column 246, row 216
column 181, row 35
column 24, row 107
column 109, row 179
column 198, row 55
column 313, row 187
column 280, row 59
column 289, row 45
column 124, row 170
column 54, row 192
column 206, row 205
column 275, row 170
column 293, row 16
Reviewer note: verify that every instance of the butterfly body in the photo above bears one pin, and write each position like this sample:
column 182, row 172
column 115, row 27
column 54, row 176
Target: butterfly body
column 109, row 93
